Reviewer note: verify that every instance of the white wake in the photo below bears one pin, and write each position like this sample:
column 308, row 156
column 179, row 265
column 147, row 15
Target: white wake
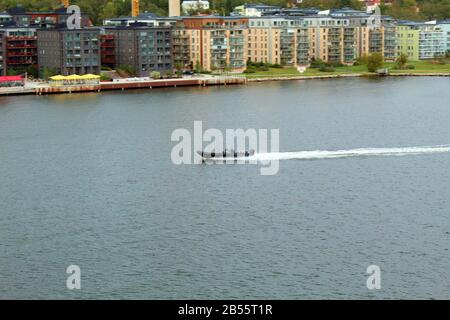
column 365, row 152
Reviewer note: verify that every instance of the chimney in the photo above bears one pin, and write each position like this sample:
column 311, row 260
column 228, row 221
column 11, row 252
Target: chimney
column 174, row 8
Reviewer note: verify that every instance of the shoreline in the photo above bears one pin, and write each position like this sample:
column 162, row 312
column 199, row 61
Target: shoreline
column 349, row 75
column 189, row 82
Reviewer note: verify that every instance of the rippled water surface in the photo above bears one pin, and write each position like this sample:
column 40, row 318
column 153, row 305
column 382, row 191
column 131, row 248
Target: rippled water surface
column 87, row 180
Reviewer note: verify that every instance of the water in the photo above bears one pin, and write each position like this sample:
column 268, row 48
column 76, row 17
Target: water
column 87, row 180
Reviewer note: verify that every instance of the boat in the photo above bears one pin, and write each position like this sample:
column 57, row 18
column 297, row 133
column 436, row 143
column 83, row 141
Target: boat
column 227, row 154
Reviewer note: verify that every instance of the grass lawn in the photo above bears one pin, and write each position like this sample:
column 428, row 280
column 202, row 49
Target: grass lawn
column 420, row 67
column 274, row 72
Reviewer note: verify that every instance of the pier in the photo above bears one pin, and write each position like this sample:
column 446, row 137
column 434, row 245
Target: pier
column 123, row 84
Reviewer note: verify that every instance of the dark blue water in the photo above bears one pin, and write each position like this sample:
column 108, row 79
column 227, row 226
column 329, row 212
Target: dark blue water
column 87, row 180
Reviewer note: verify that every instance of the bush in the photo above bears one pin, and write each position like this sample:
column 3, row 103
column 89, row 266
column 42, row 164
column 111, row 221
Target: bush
column 363, row 60
column 105, row 77
column 326, row 68
column 126, row 70
column 317, row 63
column 410, row 67
column 155, row 75
column 335, row 64
column 250, row 70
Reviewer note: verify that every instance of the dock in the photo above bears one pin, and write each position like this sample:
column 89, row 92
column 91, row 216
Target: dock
column 37, row 88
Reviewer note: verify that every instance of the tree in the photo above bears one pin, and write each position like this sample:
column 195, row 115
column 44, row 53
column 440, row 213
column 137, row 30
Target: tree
column 198, row 67
column 375, row 62
column 49, row 72
column 402, row 60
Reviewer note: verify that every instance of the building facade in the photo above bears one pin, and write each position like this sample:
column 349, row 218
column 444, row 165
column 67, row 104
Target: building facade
column 50, row 19
column 432, row 42
column 20, row 50
column 215, row 43
column 144, row 49
column 69, row 51
column 408, row 41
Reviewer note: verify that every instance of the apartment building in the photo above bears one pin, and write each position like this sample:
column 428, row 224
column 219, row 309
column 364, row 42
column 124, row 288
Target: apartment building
column 69, row 51
column 108, row 50
column 20, row 53
column 216, row 43
column 421, row 41
column 408, row 41
column 144, row 49
column 445, row 26
column 183, row 45
column 2, row 53
column 147, row 19
column 432, row 42
column 50, row 19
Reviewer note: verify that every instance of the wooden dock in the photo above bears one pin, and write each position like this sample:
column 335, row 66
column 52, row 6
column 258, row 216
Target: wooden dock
column 126, row 84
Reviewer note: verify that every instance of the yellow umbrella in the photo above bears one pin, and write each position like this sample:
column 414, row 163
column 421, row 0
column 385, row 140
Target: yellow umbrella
column 58, row 78
column 90, row 77
column 74, row 77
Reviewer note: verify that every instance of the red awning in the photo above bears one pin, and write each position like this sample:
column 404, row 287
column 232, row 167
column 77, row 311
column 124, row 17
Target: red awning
column 11, row 79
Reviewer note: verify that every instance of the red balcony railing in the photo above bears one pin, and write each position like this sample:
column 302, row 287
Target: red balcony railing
column 21, row 38
column 21, row 46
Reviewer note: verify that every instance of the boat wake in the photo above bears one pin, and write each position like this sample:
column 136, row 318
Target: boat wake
column 366, row 152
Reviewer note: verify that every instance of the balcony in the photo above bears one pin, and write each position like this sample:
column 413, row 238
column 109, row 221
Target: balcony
column 21, row 46
column 21, row 38
column 21, row 54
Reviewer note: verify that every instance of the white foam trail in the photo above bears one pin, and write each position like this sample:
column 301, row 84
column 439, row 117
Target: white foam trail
column 324, row 154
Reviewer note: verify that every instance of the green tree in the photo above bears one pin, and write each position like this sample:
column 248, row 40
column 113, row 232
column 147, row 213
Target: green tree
column 375, row 61
column 49, row 72
column 402, row 60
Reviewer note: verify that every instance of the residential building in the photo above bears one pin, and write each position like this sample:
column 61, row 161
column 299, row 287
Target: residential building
column 445, row 26
column 49, row 19
column 217, row 43
column 255, row 10
column 108, row 50
column 69, row 51
column 21, row 50
column 408, row 41
column 144, row 49
column 147, row 19
column 432, row 42
column 421, row 41
column 194, row 5
column 182, row 41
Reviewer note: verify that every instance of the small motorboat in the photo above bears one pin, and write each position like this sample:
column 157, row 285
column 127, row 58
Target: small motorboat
column 227, row 154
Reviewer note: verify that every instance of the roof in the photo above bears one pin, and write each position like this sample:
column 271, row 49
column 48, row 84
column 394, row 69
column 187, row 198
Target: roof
column 260, row 6
column 10, row 79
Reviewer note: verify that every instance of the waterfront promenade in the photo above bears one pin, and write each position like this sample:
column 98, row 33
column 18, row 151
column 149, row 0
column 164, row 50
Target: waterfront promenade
column 43, row 88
